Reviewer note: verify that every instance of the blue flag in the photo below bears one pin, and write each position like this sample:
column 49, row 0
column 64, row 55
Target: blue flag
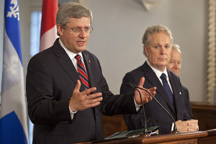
column 13, row 122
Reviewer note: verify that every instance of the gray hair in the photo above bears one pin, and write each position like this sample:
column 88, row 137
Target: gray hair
column 72, row 10
column 154, row 29
column 177, row 47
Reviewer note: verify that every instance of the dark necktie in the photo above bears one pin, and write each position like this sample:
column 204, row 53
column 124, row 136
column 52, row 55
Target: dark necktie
column 82, row 72
column 166, row 87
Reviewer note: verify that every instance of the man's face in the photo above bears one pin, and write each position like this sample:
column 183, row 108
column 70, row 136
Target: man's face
column 174, row 64
column 159, row 50
column 75, row 41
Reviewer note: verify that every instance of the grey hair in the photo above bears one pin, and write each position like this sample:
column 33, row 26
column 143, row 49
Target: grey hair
column 154, row 29
column 177, row 47
column 72, row 10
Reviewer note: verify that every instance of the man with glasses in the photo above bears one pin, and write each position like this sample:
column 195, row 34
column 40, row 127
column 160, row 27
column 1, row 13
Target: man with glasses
column 66, row 91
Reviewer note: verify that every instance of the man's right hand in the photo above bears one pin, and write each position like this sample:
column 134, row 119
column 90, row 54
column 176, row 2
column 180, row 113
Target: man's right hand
column 85, row 99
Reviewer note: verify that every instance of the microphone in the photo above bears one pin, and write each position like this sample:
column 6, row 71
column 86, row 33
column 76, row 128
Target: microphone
column 144, row 114
column 136, row 87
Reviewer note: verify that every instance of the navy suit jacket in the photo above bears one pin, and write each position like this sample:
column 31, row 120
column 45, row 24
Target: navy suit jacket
column 155, row 115
column 186, row 100
column 51, row 79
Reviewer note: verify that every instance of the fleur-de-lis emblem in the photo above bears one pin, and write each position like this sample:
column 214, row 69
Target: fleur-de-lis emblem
column 12, row 65
column 14, row 9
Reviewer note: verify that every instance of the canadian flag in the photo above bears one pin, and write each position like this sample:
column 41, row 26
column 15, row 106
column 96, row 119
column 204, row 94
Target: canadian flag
column 48, row 24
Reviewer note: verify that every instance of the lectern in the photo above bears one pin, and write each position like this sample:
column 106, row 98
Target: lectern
column 200, row 137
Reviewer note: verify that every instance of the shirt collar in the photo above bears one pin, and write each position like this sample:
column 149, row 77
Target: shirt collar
column 157, row 72
column 70, row 53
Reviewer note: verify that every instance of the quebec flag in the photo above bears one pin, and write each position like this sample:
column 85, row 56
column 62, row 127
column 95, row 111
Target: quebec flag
column 13, row 114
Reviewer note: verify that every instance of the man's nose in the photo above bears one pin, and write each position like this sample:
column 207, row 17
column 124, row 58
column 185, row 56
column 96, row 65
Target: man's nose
column 82, row 34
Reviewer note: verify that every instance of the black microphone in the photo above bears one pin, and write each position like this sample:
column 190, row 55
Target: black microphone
column 144, row 114
column 136, row 87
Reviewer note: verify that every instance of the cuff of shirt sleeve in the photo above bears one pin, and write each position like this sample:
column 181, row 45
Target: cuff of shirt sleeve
column 137, row 106
column 72, row 113
column 172, row 127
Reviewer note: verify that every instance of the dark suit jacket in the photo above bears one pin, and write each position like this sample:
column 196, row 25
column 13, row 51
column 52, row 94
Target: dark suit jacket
column 155, row 115
column 186, row 100
column 51, row 79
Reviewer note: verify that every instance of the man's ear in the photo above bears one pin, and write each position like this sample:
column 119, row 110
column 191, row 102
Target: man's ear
column 60, row 29
column 146, row 50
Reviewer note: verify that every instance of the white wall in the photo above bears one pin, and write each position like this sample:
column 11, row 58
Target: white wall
column 25, row 16
column 119, row 26
column 118, row 29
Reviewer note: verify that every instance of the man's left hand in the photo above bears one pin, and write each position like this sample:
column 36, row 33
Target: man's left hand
column 145, row 95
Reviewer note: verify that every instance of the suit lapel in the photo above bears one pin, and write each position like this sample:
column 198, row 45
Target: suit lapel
column 89, row 69
column 65, row 62
column 177, row 92
column 152, row 78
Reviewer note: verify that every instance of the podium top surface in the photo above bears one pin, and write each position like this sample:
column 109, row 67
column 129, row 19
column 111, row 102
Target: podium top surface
column 166, row 138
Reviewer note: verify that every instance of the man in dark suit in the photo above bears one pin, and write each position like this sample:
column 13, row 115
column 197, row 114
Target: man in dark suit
column 66, row 91
column 174, row 66
column 157, row 42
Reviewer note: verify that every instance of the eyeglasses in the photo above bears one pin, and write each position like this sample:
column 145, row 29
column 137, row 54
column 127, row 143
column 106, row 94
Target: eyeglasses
column 79, row 29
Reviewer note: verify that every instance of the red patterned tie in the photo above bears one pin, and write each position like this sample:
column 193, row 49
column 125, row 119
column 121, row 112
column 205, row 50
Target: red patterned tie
column 82, row 72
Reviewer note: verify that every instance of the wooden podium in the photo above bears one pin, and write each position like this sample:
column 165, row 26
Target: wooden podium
column 200, row 137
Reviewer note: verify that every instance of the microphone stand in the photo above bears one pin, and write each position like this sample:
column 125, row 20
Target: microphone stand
column 144, row 114
column 175, row 128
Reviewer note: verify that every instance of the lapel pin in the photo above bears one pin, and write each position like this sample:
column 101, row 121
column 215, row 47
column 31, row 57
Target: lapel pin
column 89, row 61
column 180, row 93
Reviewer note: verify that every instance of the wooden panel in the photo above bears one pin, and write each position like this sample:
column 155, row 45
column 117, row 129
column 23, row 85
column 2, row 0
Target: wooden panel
column 206, row 114
column 210, row 139
column 113, row 124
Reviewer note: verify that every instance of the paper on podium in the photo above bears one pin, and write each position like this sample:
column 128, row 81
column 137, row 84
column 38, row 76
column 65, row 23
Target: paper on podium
column 133, row 133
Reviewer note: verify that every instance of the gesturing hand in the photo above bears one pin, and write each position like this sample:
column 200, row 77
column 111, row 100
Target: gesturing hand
column 145, row 95
column 85, row 99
